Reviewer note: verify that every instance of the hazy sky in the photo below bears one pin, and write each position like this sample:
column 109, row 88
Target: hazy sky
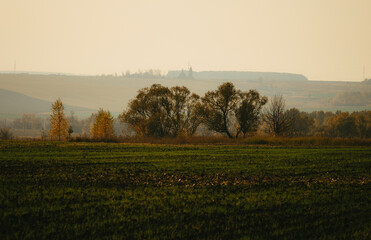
column 322, row 39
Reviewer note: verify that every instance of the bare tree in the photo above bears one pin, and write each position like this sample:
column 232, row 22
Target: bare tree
column 275, row 117
column 5, row 133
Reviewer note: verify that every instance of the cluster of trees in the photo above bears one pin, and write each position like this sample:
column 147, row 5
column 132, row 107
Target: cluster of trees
column 60, row 128
column 32, row 125
column 344, row 124
column 159, row 111
column 329, row 124
column 151, row 73
column 352, row 99
column 29, row 121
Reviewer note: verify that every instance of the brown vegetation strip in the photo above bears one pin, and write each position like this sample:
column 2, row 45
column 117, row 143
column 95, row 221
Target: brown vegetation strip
column 142, row 178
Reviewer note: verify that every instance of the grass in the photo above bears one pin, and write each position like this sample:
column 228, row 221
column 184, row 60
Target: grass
column 52, row 190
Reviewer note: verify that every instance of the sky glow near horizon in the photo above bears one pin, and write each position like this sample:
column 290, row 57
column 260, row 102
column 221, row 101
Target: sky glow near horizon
column 321, row 39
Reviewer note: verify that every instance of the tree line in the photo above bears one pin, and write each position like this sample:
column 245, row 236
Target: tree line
column 159, row 111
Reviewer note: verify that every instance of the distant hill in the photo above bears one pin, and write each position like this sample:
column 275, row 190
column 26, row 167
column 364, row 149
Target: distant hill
column 113, row 93
column 235, row 75
column 17, row 103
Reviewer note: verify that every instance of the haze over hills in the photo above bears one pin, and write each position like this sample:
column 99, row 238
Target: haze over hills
column 216, row 75
column 113, row 92
column 15, row 103
column 239, row 75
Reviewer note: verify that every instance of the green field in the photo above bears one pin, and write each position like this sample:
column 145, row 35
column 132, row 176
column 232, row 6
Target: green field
column 52, row 190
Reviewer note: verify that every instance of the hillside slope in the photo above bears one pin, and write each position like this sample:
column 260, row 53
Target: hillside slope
column 238, row 75
column 113, row 93
column 17, row 103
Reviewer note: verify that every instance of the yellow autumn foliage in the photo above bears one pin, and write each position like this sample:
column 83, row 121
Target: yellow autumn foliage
column 102, row 128
column 58, row 122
